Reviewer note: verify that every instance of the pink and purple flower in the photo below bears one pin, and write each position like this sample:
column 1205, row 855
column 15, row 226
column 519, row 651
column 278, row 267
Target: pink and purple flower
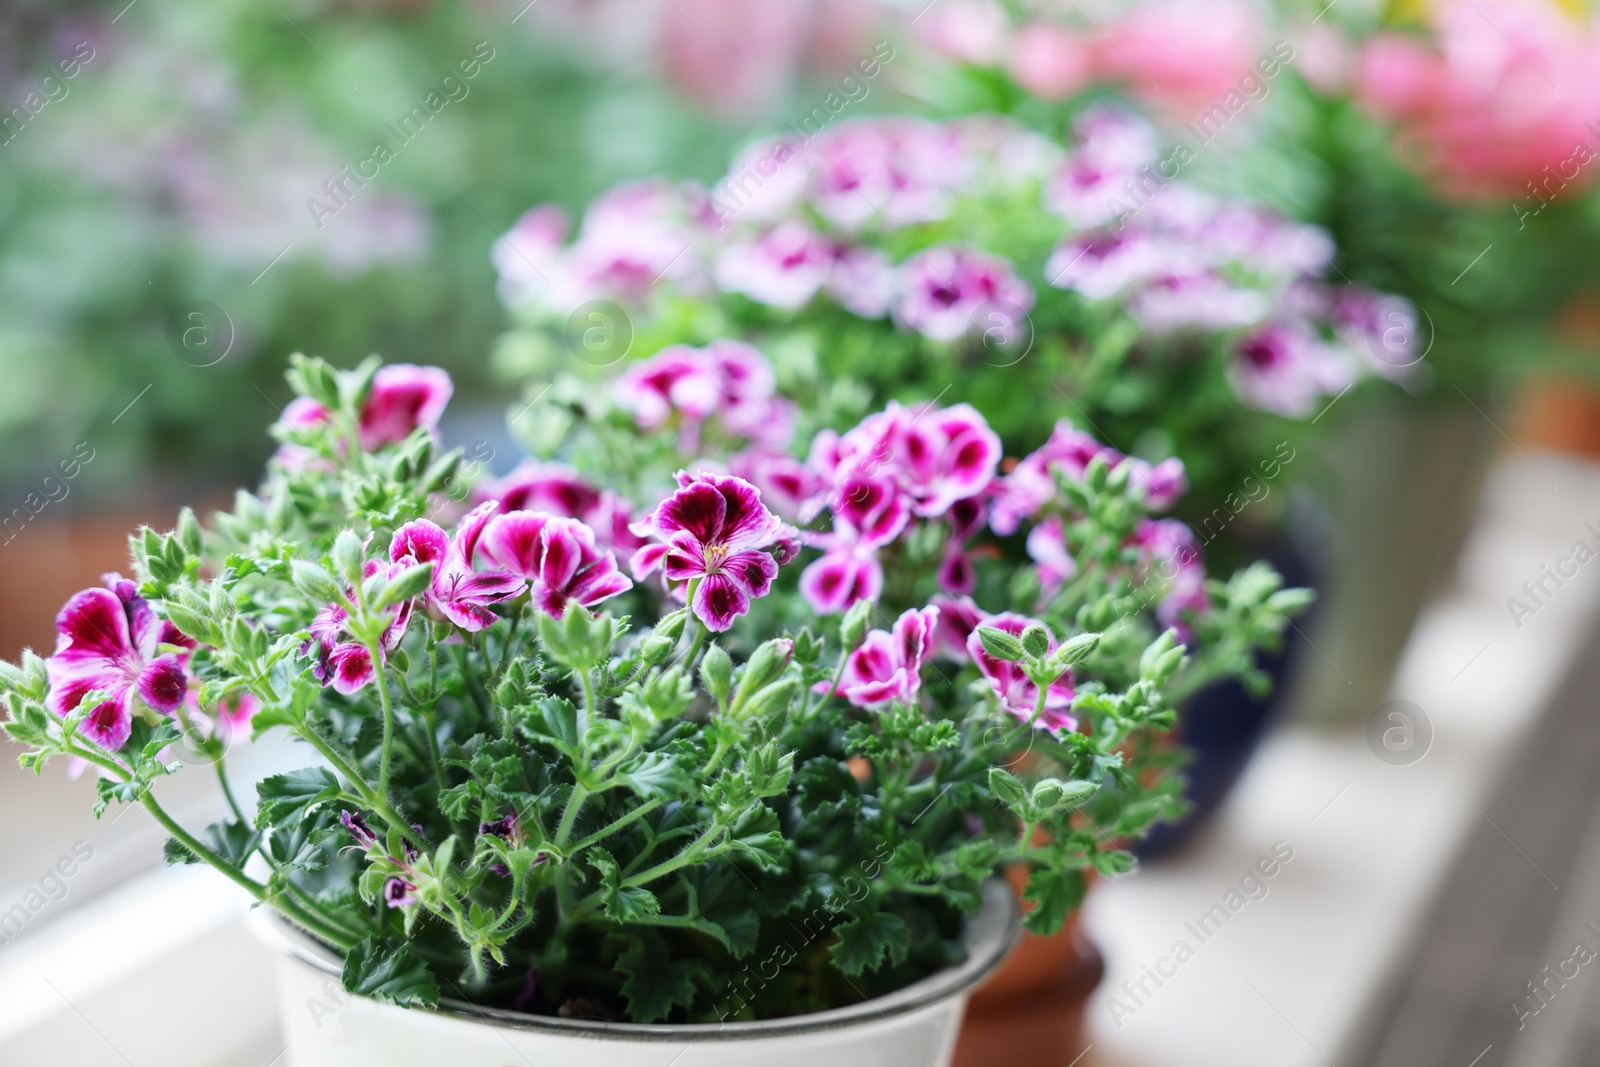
column 782, row 268
column 345, row 664
column 944, row 288
column 110, row 640
column 715, row 534
column 888, row 666
column 559, row 490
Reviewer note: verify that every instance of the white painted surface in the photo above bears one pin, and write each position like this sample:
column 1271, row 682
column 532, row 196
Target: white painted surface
column 1289, row 975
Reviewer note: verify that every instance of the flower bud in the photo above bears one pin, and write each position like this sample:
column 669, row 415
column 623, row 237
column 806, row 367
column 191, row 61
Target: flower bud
column 853, row 628
column 1000, row 644
column 188, row 532
column 766, row 666
column 716, row 674
column 347, row 556
column 1036, row 641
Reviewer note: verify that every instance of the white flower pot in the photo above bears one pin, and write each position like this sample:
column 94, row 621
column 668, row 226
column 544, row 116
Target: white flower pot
column 323, row 1026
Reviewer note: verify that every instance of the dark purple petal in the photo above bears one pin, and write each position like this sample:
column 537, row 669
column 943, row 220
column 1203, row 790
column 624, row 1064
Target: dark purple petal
column 109, row 724
column 754, row 570
column 698, row 508
column 419, row 542
column 349, row 668
column 403, row 397
column 162, row 684
column 718, row 601
column 564, row 544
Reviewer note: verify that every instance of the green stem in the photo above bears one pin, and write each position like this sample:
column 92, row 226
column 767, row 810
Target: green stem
column 611, row 828
column 368, row 794
column 690, row 854
column 570, row 815
column 227, row 791
column 591, row 707
column 193, row 844
column 388, row 718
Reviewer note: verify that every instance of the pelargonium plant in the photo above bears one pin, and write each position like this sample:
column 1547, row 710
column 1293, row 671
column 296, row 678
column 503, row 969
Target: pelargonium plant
column 893, row 258
column 560, row 760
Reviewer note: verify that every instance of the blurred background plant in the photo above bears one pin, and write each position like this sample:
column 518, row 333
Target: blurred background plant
column 158, row 225
column 1449, row 148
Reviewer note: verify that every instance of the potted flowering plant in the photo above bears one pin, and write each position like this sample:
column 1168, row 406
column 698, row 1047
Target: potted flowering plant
column 570, row 786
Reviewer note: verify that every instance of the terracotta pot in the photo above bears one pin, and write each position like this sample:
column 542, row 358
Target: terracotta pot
column 1030, row 1013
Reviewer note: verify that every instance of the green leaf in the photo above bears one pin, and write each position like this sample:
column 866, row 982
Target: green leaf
column 284, row 798
column 622, row 904
column 175, row 852
column 395, row 975
column 1054, row 894
column 867, row 942
column 657, row 983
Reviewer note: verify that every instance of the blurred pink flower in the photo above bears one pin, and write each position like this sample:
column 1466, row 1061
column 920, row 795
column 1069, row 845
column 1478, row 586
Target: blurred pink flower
column 1506, row 93
column 1051, row 61
column 943, row 289
column 735, row 56
column 973, row 31
column 1182, row 56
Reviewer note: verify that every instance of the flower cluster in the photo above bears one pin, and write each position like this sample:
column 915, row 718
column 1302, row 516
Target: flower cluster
column 527, row 780
column 897, row 465
column 797, row 227
column 728, row 381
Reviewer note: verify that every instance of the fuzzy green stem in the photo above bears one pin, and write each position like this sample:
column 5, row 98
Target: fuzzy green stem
column 570, row 815
column 613, row 827
column 388, row 718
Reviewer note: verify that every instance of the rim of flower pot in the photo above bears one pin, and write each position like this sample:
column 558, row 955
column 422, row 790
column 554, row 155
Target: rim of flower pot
column 993, row 933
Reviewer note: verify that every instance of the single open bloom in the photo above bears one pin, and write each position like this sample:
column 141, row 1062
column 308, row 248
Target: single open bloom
column 1017, row 692
column 109, row 640
column 458, row 592
column 888, row 666
column 715, row 533
column 558, row 556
